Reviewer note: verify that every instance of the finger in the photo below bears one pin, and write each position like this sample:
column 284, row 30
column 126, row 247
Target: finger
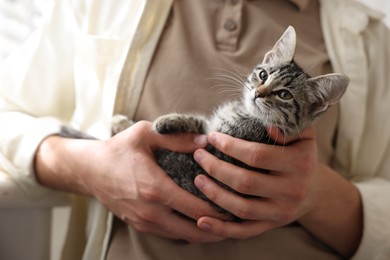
column 168, row 224
column 259, row 155
column 248, row 208
column 171, row 195
column 254, row 154
column 151, row 228
column 189, row 204
column 239, row 179
column 187, row 230
column 275, row 134
column 142, row 133
column 235, row 230
column 184, row 143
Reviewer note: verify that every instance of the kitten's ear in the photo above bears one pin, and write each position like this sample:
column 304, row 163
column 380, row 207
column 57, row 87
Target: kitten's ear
column 330, row 88
column 283, row 50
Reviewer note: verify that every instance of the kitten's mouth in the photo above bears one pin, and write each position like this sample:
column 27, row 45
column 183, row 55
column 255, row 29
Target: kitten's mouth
column 260, row 106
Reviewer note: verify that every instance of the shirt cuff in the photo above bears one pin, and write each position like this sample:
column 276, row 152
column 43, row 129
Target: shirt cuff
column 18, row 153
column 375, row 243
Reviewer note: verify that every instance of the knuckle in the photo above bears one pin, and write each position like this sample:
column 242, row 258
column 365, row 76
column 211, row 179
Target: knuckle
column 137, row 133
column 241, row 236
column 297, row 193
column 300, row 193
column 287, row 215
column 151, row 194
column 213, row 195
column 225, row 145
column 305, row 165
column 142, row 128
column 140, row 227
column 222, row 145
column 145, row 216
column 256, row 156
column 210, row 167
column 197, row 213
column 245, row 211
column 143, row 125
column 196, row 238
column 245, row 184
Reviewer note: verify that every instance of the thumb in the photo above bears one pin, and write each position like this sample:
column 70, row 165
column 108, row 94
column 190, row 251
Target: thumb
column 184, row 143
column 143, row 133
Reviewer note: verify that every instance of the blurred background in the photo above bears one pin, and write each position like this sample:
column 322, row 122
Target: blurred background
column 18, row 19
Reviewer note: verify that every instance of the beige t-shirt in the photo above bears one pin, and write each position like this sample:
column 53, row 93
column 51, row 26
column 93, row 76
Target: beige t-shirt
column 203, row 39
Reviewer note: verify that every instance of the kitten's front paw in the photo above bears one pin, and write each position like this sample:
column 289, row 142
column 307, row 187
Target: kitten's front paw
column 168, row 124
column 179, row 123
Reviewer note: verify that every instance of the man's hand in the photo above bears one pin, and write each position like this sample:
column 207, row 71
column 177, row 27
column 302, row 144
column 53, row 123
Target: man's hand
column 283, row 195
column 122, row 174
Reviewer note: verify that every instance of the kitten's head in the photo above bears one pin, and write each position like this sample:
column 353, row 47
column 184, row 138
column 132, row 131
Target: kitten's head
column 280, row 93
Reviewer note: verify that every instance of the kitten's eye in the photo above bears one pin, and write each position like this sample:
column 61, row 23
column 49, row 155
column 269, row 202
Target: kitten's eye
column 263, row 75
column 284, row 94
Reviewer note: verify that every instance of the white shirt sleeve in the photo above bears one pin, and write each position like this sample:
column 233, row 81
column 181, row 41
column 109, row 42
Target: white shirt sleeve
column 36, row 96
column 357, row 43
column 66, row 73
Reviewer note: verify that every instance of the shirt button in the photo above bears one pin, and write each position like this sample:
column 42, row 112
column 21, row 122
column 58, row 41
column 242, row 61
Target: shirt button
column 230, row 25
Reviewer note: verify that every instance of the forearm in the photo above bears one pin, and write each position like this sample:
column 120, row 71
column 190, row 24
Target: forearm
column 337, row 217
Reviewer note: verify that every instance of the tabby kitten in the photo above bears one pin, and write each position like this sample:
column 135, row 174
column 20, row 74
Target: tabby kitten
column 276, row 93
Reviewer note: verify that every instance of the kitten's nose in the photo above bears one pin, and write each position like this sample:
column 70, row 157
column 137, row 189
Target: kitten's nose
column 261, row 92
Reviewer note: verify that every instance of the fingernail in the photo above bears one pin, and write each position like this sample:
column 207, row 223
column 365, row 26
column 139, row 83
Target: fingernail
column 212, row 138
column 205, row 226
column 198, row 156
column 199, row 182
column 200, row 140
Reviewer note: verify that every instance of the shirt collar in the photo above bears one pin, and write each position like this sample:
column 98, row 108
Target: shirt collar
column 301, row 4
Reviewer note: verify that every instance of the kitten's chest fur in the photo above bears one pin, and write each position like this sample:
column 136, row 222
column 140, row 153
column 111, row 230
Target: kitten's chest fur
column 233, row 119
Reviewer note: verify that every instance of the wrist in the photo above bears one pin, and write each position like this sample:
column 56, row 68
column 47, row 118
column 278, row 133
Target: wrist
column 60, row 164
column 336, row 216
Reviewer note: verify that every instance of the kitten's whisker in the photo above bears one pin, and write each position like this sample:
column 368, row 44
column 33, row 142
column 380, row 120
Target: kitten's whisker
column 226, row 87
column 240, row 77
column 237, row 76
column 230, row 83
column 230, row 71
column 278, row 118
column 240, row 74
column 299, row 132
column 231, row 90
column 230, row 86
column 311, row 68
column 228, row 78
column 279, row 130
column 247, row 86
